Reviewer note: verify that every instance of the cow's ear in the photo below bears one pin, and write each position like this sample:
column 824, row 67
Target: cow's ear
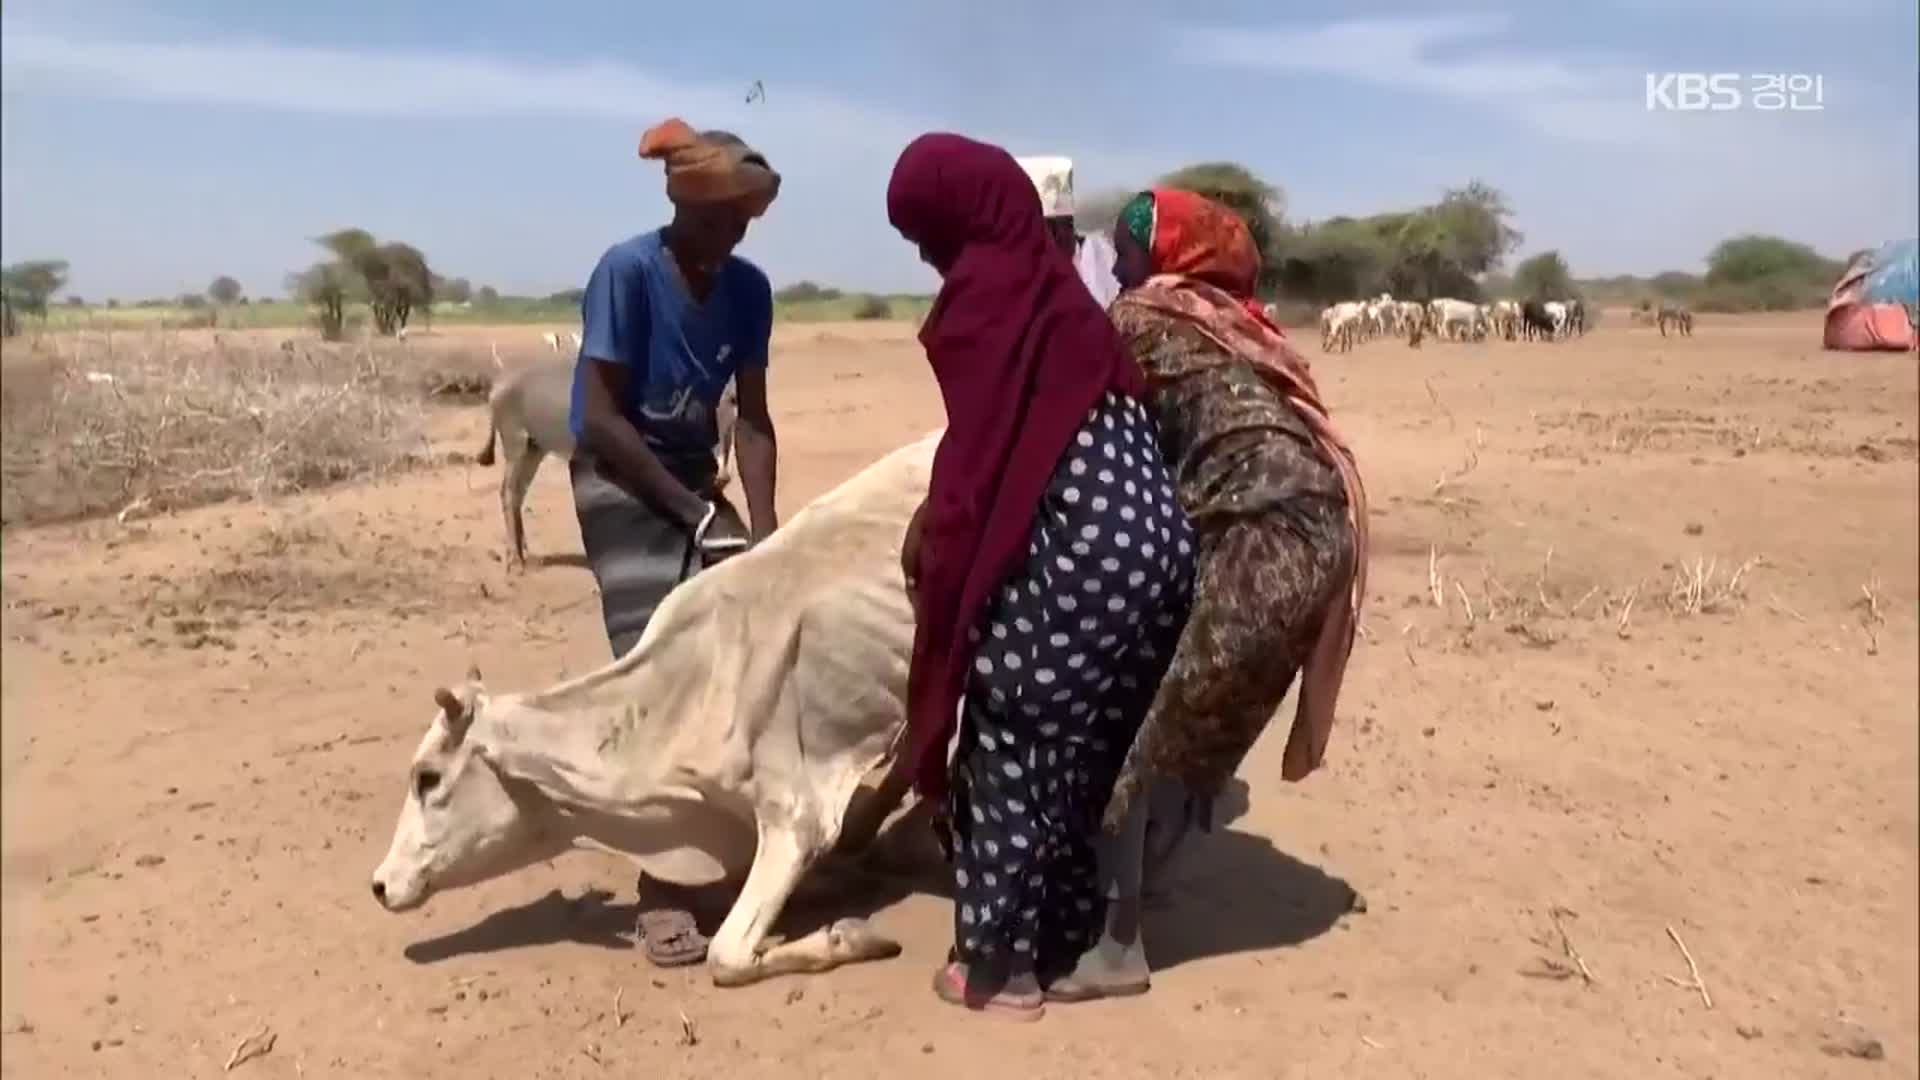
column 455, row 713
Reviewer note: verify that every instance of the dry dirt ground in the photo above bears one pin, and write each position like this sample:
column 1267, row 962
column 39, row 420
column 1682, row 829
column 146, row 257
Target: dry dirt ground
column 1598, row 731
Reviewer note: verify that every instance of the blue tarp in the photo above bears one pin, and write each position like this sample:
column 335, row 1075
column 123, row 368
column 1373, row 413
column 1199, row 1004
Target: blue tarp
column 1895, row 277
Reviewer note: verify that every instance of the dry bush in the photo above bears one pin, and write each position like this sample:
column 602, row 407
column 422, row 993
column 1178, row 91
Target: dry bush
column 157, row 422
column 1534, row 606
column 1704, row 587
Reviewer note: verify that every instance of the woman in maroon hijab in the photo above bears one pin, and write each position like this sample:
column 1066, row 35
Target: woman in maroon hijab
column 1051, row 569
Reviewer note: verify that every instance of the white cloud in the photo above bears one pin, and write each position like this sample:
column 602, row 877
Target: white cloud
column 795, row 125
column 1394, row 52
column 253, row 73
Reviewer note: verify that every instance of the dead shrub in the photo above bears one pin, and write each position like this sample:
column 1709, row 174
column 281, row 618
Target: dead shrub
column 155, row 423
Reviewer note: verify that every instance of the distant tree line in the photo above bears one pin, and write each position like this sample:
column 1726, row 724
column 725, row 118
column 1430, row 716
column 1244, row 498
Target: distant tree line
column 1453, row 247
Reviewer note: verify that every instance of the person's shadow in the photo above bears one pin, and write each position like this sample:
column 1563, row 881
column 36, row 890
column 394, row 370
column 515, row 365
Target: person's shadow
column 1225, row 892
column 1220, row 893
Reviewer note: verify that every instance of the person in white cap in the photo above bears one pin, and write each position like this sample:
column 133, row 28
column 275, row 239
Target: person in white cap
column 1093, row 256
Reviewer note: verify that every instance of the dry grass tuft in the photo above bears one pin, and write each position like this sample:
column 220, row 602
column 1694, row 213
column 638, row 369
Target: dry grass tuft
column 156, row 422
column 1536, row 609
column 1702, row 589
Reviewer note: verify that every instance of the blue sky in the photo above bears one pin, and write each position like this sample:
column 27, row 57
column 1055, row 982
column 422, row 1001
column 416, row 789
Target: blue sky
column 158, row 144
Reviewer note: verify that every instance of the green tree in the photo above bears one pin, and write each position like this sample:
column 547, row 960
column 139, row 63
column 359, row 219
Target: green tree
column 224, row 291
column 487, row 297
column 801, row 292
column 1260, row 204
column 323, row 285
column 454, row 290
column 1544, row 277
column 1755, row 257
column 393, row 278
column 25, row 289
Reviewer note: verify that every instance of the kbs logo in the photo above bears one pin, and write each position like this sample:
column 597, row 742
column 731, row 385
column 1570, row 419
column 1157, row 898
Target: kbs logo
column 1693, row 91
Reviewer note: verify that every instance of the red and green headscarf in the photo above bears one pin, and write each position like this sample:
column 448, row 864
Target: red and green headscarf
column 1194, row 237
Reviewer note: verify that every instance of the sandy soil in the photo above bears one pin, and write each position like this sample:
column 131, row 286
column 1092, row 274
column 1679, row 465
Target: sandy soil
column 208, row 719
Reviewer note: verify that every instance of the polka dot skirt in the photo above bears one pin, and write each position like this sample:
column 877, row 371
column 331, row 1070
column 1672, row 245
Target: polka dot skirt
column 1065, row 662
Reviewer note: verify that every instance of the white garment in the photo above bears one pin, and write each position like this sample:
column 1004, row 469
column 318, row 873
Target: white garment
column 1094, row 258
column 1053, row 178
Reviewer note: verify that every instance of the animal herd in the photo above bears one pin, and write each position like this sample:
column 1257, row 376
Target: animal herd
column 1353, row 322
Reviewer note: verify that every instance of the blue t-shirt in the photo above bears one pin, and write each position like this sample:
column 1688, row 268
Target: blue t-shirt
column 680, row 355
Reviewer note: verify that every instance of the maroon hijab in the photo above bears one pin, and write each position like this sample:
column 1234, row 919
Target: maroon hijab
column 1021, row 351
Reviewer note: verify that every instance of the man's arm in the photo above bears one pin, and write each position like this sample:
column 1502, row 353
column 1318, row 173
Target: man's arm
column 613, row 316
column 616, row 441
column 755, row 450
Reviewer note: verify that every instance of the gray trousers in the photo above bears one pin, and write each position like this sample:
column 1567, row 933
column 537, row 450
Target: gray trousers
column 1133, row 860
column 637, row 552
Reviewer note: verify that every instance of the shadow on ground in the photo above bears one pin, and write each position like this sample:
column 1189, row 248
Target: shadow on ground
column 904, row 861
column 1225, row 892
column 1221, row 893
column 587, row 919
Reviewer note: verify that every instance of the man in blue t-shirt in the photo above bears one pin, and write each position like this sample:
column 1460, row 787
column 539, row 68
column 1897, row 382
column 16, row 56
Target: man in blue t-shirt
column 670, row 317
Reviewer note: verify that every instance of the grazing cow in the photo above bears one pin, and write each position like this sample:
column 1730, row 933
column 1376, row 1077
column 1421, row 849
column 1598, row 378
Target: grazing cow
column 1557, row 312
column 1576, row 317
column 1453, row 320
column 1536, row 323
column 1678, row 316
column 1411, row 317
column 1339, row 324
column 1506, row 319
column 528, row 414
column 1341, row 327
column 734, row 742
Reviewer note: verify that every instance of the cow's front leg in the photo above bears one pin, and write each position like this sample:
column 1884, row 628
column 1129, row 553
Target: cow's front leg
column 739, row 954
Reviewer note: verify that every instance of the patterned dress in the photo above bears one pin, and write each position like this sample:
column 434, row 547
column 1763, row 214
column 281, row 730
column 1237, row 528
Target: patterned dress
column 1065, row 663
column 1275, row 551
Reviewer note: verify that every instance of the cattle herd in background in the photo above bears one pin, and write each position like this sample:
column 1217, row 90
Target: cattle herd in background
column 1354, row 322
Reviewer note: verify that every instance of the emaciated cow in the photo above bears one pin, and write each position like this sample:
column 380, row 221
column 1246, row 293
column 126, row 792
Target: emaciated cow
column 732, row 743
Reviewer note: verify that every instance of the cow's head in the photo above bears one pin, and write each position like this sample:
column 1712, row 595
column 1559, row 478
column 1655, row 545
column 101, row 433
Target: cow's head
column 462, row 822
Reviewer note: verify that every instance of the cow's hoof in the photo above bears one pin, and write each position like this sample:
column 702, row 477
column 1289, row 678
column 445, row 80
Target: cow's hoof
column 855, row 941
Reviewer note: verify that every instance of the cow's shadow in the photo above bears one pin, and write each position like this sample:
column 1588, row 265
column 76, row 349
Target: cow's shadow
column 1224, row 892
column 587, row 919
column 903, row 861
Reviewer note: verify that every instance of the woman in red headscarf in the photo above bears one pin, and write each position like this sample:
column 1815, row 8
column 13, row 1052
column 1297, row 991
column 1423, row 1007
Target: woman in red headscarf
column 1277, row 504
column 1050, row 568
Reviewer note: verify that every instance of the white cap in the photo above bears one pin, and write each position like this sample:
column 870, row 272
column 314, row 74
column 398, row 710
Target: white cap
column 1053, row 178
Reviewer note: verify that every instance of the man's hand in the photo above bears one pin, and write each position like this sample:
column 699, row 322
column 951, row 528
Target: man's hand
column 718, row 536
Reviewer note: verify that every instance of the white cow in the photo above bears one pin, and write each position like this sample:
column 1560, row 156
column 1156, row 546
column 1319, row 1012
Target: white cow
column 1453, row 320
column 1340, row 325
column 1408, row 316
column 528, row 414
column 1557, row 311
column 733, row 743
column 1506, row 318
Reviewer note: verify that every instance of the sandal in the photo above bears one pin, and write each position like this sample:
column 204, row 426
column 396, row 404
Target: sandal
column 671, row 937
column 1072, row 990
column 950, row 985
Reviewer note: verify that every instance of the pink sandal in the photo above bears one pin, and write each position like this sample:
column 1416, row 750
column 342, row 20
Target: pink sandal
column 950, row 985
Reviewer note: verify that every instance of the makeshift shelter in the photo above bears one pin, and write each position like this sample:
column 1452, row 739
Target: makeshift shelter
column 1876, row 304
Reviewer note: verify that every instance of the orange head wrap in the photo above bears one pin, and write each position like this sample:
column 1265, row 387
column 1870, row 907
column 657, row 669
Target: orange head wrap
column 710, row 167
